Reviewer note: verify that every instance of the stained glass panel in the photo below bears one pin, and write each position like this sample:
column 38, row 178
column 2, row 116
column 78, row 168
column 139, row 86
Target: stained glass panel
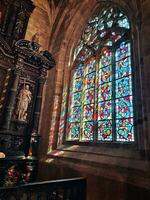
column 77, row 84
column 105, row 130
column 125, row 130
column 123, row 87
column 89, row 80
column 109, row 23
column 124, row 23
column 105, row 75
column 90, row 67
column 88, row 130
column 123, row 51
column 79, row 71
column 105, row 92
column 124, row 107
column 123, row 67
column 88, row 112
column 89, row 96
column 75, row 114
column 105, row 110
column 106, row 58
column 76, row 98
column 73, row 130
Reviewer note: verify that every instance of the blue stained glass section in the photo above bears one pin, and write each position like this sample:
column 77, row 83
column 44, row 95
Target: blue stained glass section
column 123, row 87
column 123, row 67
column 77, row 98
column 123, row 51
column 124, row 107
column 124, row 23
column 77, row 84
column 125, row 130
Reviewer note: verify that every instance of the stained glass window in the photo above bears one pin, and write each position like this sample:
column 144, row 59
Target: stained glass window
column 100, row 105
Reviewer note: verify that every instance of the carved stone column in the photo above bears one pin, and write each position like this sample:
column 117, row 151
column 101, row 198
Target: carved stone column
column 12, row 95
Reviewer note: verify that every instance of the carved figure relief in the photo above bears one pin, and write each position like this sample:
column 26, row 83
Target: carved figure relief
column 19, row 23
column 24, row 98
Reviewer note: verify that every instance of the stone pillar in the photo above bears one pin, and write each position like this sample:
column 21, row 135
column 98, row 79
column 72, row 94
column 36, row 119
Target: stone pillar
column 12, row 95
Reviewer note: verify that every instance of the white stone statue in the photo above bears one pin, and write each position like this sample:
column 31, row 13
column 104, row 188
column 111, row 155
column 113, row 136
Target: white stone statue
column 23, row 103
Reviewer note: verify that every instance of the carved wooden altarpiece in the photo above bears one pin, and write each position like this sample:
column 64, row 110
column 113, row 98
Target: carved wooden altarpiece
column 23, row 70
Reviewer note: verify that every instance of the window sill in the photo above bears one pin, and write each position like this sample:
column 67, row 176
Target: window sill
column 117, row 164
column 126, row 158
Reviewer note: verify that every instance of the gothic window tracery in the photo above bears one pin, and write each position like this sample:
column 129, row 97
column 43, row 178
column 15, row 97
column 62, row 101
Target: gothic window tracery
column 100, row 106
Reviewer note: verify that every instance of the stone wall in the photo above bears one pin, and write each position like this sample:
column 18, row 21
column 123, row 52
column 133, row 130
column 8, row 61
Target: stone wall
column 39, row 22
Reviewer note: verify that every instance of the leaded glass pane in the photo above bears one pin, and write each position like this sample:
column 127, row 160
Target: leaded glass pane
column 123, row 67
column 105, row 92
column 75, row 114
column 123, row 52
column 124, row 23
column 79, row 71
column 124, row 107
column 105, row 110
column 89, row 81
column 123, row 87
column 76, row 98
column 89, row 96
column 73, row 130
column 105, row 130
column 125, row 130
column 88, row 112
column 105, row 75
column 88, row 130
column 77, row 84
column 90, row 67
column 106, row 58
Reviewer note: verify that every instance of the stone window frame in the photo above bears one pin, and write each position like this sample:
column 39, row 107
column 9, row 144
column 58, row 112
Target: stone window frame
column 138, row 148
column 134, row 79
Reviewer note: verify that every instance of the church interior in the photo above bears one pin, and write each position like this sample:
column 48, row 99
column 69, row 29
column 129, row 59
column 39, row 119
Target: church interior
column 74, row 99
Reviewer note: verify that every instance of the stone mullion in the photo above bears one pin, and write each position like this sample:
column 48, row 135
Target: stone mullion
column 55, row 113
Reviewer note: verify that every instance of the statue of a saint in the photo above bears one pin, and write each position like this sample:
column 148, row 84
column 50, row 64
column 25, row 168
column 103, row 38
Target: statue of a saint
column 23, row 103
